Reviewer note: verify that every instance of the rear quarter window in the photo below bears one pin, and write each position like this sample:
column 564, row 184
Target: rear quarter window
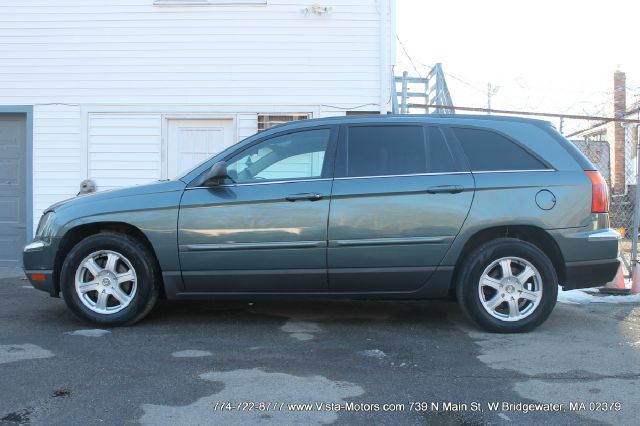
column 489, row 151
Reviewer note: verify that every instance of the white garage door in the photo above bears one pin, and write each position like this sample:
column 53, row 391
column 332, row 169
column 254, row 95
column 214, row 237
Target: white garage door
column 193, row 141
column 13, row 190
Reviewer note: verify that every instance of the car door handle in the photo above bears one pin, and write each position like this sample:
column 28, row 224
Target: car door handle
column 311, row 196
column 445, row 189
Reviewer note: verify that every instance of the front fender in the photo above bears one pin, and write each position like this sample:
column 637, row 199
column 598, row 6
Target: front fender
column 155, row 215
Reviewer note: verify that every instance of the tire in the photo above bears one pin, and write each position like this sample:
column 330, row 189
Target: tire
column 109, row 279
column 504, row 302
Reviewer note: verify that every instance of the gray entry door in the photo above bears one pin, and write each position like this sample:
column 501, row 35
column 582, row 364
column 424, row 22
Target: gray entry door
column 13, row 189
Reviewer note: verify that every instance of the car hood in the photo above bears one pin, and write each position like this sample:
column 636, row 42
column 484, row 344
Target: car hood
column 151, row 188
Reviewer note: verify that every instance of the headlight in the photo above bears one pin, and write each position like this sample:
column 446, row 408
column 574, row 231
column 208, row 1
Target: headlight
column 45, row 226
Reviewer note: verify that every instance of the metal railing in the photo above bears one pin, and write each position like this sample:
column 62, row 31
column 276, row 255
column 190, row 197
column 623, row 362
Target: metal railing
column 415, row 94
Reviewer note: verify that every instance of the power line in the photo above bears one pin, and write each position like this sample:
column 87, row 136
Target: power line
column 464, row 82
column 408, row 56
column 423, row 64
column 482, row 91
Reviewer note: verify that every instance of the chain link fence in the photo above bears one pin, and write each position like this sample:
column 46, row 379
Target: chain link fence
column 622, row 205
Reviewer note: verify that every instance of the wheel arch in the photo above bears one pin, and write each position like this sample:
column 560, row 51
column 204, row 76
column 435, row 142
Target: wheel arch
column 531, row 234
column 76, row 234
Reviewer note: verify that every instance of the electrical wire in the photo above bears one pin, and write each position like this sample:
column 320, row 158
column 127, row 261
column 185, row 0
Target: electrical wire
column 408, row 56
column 350, row 108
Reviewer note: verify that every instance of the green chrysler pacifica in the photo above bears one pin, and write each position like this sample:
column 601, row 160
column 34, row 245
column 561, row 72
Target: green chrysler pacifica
column 495, row 211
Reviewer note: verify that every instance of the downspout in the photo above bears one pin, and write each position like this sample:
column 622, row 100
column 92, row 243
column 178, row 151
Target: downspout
column 392, row 62
column 385, row 62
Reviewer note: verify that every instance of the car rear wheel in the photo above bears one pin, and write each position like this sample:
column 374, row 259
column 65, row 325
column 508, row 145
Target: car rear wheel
column 109, row 279
column 507, row 286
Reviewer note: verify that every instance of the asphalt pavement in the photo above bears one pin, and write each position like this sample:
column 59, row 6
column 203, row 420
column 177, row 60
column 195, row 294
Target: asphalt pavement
column 396, row 363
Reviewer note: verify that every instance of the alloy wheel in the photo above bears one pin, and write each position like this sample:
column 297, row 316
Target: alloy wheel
column 105, row 282
column 510, row 289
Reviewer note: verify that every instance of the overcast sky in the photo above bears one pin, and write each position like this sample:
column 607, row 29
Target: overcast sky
column 545, row 55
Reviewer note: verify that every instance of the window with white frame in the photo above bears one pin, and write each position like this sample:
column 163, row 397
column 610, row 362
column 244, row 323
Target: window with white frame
column 267, row 121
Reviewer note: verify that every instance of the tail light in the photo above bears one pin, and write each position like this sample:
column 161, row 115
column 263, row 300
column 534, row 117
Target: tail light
column 599, row 193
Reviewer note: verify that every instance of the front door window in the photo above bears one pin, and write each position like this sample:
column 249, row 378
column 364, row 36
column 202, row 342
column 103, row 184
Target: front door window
column 293, row 156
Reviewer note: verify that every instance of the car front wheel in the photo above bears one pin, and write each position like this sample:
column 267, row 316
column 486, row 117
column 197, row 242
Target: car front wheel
column 507, row 286
column 109, row 279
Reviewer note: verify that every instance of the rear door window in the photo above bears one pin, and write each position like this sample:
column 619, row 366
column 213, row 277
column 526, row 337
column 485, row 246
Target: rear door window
column 489, row 151
column 440, row 158
column 395, row 150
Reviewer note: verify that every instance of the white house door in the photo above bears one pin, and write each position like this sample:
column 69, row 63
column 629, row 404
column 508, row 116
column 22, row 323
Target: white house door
column 190, row 142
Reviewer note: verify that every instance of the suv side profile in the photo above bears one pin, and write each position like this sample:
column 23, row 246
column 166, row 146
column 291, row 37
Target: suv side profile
column 495, row 211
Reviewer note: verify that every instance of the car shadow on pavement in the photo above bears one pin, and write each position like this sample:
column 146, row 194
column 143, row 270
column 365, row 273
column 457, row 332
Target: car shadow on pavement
column 424, row 313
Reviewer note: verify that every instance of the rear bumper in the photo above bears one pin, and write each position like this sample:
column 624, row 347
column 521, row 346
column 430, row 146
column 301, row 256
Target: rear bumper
column 591, row 256
column 590, row 273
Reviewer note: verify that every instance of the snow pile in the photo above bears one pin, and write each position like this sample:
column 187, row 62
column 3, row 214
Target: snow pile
column 96, row 332
column 588, row 295
column 374, row 353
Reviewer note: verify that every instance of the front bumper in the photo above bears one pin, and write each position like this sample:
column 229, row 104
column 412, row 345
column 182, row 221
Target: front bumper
column 42, row 280
column 38, row 258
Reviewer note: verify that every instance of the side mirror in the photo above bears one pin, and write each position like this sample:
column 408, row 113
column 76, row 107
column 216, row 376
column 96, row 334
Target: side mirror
column 216, row 174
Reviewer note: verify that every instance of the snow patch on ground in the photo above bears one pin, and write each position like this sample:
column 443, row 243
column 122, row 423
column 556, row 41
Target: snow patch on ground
column 556, row 348
column 301, row 330
column 191, row 353
column 301, row 336
column 583, row 296
column 95, row 332
column 13, row 353
column 256, row 385
column 374, row 353
column 559, row 362
column 304, row 320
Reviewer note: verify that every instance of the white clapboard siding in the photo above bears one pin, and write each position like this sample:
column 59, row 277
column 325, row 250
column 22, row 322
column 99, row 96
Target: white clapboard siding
column 124, row 149
column 57, row 159
column 101, row 75
column 132, row 52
